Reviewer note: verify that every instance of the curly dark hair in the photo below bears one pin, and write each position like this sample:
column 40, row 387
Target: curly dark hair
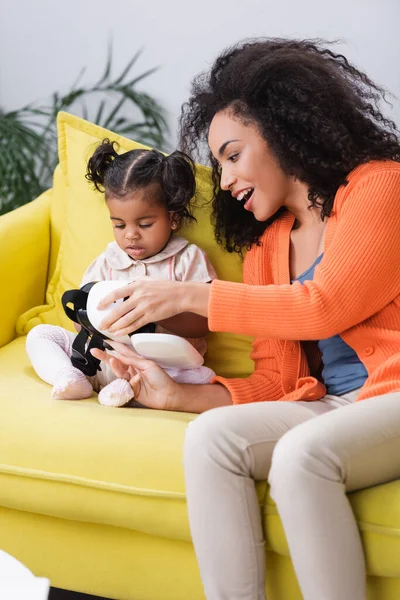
column 319, row 115
column 121, row 174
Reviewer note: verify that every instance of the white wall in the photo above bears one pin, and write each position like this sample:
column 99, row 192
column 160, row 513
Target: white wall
column 44, row 44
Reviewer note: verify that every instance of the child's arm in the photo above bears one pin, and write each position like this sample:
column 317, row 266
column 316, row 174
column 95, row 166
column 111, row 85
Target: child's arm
column 186, row 325
column 193, row 265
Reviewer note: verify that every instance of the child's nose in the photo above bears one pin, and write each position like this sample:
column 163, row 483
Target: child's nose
column 132, row 234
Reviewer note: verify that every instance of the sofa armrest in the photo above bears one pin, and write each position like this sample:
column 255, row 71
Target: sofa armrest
column 24, row 257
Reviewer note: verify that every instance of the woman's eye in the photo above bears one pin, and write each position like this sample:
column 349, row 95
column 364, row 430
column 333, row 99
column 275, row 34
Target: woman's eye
column 233, row 157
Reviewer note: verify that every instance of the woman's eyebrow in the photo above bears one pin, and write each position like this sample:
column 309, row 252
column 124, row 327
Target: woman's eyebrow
column 224, row 145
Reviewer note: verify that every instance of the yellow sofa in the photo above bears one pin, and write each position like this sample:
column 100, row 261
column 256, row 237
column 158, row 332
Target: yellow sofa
column 94, row 497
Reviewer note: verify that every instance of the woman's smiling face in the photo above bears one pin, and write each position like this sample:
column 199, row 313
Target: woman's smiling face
column 249, row 170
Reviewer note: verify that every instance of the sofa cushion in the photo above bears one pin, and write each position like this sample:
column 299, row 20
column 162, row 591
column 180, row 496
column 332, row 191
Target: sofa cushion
column 81, row 461
column 86, row 230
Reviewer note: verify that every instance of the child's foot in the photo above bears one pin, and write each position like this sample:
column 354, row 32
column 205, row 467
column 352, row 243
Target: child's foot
column 117, row 393
column 71, row 384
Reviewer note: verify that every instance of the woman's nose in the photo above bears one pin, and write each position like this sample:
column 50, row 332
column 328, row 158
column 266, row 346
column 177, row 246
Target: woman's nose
column 227, row 179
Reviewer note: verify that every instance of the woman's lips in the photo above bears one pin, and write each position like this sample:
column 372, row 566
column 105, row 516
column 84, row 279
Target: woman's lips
column 248, row 204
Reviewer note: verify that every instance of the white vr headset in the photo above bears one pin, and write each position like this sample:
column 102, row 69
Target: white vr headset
column 169, row 351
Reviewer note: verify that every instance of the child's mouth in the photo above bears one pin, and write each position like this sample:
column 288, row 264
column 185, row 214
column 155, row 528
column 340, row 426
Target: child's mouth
column 135, row 250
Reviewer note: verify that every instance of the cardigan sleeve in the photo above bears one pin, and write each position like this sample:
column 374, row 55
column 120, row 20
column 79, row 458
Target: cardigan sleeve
column 358, row 276
column 265, row 382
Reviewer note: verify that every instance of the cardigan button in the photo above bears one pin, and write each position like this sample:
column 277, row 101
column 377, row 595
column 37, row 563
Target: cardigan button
column 369, row 350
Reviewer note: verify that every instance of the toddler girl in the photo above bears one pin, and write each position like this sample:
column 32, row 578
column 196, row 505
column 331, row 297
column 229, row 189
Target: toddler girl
column 148, row 196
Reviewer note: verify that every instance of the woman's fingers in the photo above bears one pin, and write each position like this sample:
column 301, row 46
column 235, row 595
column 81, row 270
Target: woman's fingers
column 128, row 323
column 148, row 300
column 129, row 357
column 119, row 367
column 121, row 292
column 100, row 354
column 116, row 314
column 123, row 349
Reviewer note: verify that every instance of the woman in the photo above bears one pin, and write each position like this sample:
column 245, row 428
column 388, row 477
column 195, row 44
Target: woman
column 307, row 174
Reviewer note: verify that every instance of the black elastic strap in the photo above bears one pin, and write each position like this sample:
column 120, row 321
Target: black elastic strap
column 81, row 358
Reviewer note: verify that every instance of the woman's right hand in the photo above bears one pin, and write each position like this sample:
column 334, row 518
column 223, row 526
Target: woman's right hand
column 152, row 301
column 151, row 385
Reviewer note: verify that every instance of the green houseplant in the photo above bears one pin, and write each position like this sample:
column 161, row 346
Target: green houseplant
column 28, row 136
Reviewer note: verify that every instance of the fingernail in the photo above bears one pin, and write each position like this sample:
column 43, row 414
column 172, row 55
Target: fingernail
column 119, row 332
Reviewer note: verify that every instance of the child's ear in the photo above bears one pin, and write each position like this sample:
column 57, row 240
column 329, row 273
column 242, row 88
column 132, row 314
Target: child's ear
column 174, row 219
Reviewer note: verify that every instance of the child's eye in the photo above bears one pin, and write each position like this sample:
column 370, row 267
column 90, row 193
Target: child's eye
column 146, row 225
column 119, row 226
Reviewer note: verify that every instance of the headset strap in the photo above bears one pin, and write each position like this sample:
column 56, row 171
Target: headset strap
column 81, row 357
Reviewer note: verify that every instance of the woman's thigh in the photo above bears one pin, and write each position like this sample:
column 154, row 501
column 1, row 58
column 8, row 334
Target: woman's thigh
column 243, row 435
column 360, row 443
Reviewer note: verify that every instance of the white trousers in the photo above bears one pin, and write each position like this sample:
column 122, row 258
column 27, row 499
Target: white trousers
column 49, row 348
column 312, row 454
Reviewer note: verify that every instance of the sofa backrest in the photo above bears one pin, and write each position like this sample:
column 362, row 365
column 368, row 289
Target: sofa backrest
column 81, row 228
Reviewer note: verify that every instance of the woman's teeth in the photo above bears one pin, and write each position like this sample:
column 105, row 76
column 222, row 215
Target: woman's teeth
column 245, row 194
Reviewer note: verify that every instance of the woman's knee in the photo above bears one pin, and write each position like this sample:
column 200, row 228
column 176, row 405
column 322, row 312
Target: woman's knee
column 300, row 452
column 212, row 436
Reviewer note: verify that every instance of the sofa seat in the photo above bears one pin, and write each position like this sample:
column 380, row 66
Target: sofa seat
column 113, row 470
column 81, row 461
column 95, row 475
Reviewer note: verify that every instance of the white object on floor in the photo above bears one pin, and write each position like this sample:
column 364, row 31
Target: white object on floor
column 18, row 583
column 169, row 351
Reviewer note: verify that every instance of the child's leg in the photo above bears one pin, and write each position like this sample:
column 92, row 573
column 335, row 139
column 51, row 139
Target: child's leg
column 49, row 349
column 200, row 375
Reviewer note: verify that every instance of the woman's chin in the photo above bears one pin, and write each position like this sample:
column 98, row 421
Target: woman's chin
column 262, row 216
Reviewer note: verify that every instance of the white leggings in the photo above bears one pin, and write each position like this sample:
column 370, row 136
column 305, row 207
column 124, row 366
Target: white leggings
column 49, row 348
column 312, row 454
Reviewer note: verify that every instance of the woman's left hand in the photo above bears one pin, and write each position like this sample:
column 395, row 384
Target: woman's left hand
column 151, row 385
column 152, row 301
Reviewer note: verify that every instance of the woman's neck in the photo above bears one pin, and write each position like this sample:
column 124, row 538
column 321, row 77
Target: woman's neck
column 298, row 204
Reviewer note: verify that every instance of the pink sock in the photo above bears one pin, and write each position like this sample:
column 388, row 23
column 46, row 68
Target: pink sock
column 71, row 384
column 117, row 393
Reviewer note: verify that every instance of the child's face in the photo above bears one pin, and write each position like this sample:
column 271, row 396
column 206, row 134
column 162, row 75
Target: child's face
column 142, row 226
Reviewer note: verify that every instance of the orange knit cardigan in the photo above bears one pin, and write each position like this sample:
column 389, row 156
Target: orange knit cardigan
column 355, row 293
